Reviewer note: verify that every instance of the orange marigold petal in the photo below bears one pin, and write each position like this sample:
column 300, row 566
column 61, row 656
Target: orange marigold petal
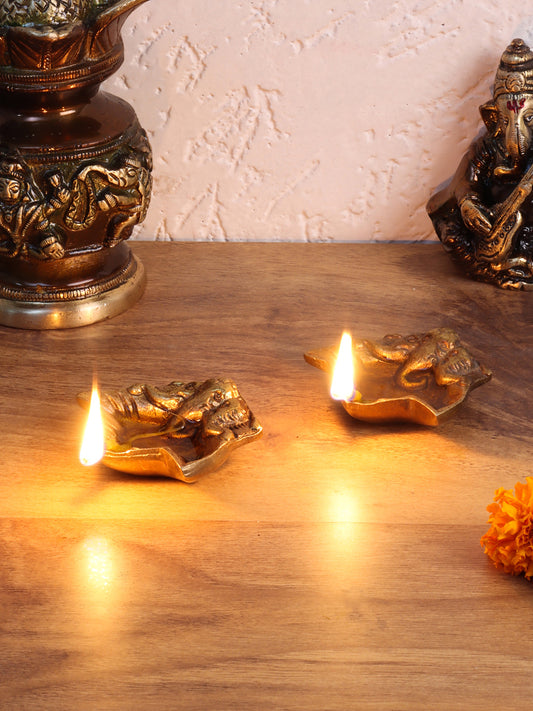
column 508, row 542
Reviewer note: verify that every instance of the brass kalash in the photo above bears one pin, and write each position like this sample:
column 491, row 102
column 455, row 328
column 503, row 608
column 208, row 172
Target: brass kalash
column 75, row 165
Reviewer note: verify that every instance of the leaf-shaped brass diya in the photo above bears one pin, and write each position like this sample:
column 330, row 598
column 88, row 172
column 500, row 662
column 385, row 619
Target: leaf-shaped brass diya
column 419, row 378
column 180, row 430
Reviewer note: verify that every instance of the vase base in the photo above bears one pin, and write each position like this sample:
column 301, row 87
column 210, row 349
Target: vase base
column 71, row 313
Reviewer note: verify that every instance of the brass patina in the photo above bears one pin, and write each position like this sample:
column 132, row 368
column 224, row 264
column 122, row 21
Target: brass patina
column 75, row 165
column 418, row 378
column 181, row 430
column 484, row 215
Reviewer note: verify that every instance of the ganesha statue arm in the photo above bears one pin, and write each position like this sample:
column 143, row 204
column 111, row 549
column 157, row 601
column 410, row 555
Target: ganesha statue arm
column 496, row 226
column 476, row 215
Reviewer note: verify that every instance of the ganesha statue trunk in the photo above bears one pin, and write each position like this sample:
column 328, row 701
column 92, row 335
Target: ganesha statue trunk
column 75, row 165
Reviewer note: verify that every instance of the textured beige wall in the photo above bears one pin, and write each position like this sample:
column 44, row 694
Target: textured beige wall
column 308, row 119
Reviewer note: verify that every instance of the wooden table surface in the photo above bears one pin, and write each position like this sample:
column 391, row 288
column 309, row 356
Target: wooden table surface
column 329, row 565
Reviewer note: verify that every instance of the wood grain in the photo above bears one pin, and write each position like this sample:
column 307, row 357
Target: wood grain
column 330, row 565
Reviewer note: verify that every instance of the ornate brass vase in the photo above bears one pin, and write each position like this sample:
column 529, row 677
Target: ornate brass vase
column 75, row 165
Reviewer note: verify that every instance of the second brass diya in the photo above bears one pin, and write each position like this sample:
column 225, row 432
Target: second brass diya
column 75, row 165
column 419, row 378
column 179, row 430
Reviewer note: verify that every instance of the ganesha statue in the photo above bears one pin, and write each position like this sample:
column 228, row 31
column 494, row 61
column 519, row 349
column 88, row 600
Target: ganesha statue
column 75, row 165
column 180, row 430
column 484, row 215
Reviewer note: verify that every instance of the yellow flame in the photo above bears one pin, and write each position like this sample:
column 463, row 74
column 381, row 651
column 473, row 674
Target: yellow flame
column 93, row 446
column 342, row 384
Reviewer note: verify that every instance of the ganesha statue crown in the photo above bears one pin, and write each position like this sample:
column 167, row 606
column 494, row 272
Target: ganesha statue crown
column 484, row 215
column 75, row 165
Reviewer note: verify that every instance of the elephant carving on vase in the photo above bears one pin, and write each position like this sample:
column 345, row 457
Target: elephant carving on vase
column 121, row 189
column 33, row 219
column 484, row 214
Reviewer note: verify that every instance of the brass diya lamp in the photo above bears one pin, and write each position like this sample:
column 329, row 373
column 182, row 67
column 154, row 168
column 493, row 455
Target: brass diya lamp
column 75, row 165
column 418, row 378
column 180, row 430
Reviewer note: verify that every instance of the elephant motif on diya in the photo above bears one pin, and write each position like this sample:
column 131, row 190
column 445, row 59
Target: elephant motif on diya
column 439, row 355
column 484, row 214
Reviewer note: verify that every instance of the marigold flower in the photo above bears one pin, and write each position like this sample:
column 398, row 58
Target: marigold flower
column 508, row 542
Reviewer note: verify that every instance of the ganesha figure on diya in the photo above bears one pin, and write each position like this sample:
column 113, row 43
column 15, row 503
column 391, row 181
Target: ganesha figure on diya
column 484, row 214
